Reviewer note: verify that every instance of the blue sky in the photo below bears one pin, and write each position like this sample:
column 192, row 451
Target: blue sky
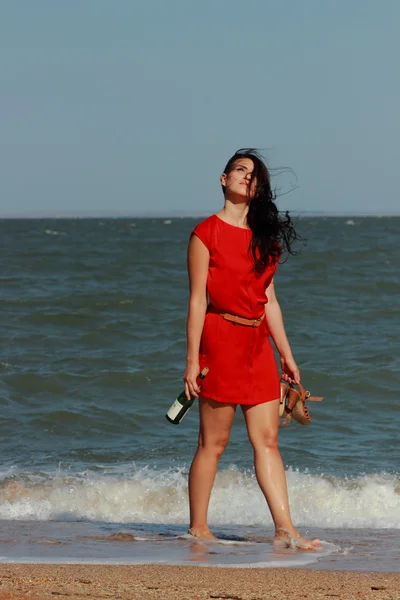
column 126, row 106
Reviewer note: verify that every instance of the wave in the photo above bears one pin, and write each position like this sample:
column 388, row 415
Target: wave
column 54, row 232
column 160, row 496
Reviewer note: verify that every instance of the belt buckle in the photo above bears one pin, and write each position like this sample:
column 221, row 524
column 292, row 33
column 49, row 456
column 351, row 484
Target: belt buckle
column 256, row 322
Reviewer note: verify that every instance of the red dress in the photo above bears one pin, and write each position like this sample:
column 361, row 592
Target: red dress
column 241, row 361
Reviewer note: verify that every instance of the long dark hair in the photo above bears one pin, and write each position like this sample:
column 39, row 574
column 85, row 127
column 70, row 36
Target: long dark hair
column 273, row 231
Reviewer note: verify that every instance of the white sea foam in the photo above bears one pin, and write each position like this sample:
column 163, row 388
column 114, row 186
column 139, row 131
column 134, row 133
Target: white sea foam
column 154, row 496
column 272, row 564
column 54, row 232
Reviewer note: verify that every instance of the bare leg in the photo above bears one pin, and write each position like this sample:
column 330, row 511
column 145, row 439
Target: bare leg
column 262, row 428
column 215, row 425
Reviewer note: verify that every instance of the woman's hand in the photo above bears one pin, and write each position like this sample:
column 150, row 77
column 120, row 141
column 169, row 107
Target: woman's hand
column 190, row 378
column 290, row 371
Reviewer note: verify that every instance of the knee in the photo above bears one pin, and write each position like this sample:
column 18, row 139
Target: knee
column 265, row 440
column 213, row 446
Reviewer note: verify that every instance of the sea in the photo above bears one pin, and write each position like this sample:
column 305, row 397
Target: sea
column 92, row 329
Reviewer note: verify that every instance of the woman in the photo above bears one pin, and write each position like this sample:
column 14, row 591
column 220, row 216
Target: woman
column 232, row 258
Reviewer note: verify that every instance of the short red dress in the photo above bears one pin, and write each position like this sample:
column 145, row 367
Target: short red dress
column 241, row 361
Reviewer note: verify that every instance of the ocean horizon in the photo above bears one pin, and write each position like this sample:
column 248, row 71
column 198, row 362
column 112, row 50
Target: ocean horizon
column 178, row 214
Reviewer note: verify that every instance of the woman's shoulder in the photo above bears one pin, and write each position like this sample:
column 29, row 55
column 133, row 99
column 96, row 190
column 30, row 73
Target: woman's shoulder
column 204, row 230
column 207, row 222
column 206, row 225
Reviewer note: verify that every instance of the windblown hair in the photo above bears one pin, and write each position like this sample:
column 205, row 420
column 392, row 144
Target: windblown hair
column 273, row 231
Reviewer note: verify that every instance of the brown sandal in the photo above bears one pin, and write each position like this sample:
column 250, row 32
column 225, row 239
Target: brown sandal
column 296, row 399
column 286, row 404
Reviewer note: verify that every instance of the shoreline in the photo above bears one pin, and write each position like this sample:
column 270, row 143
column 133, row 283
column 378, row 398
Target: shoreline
column 162, row 582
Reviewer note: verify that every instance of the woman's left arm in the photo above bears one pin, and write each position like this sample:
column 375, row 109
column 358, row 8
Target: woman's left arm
column 273, row 315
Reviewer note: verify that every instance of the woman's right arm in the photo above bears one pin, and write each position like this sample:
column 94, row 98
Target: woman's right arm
column 198, row 261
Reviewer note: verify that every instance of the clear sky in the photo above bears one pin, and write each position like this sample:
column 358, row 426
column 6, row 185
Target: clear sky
column 136, row 105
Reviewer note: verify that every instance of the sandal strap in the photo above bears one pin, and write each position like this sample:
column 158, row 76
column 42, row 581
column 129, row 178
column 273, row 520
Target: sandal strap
column 306, row 395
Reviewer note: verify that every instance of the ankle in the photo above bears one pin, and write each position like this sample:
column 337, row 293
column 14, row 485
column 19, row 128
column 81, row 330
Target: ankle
column 195, row 527
column 201, row 532
column 285, row 530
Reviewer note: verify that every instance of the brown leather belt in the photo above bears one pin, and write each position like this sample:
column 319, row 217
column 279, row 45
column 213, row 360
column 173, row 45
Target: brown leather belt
column 242, row 320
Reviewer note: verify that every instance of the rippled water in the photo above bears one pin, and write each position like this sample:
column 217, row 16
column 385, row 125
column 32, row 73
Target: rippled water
column 93, row 344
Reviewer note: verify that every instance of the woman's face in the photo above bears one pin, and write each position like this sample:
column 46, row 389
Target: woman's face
column 236, row 182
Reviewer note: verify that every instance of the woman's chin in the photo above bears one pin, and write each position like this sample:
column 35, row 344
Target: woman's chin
column 238, row 197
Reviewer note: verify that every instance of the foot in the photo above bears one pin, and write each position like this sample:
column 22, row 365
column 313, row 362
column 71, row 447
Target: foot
column 285, row 538
column 202, row 532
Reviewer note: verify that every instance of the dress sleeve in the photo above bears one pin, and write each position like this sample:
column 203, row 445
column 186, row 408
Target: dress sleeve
column 203, row 231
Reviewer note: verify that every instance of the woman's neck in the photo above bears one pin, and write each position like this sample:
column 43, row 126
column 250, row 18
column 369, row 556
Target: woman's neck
column 235, row 213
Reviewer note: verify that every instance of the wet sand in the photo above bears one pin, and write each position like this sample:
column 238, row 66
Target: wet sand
column 161, row 582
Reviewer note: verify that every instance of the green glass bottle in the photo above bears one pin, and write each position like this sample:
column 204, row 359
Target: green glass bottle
column 181, row 405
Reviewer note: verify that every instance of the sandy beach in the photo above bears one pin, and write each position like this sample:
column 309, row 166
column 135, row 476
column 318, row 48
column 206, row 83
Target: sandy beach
column 155, row 582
